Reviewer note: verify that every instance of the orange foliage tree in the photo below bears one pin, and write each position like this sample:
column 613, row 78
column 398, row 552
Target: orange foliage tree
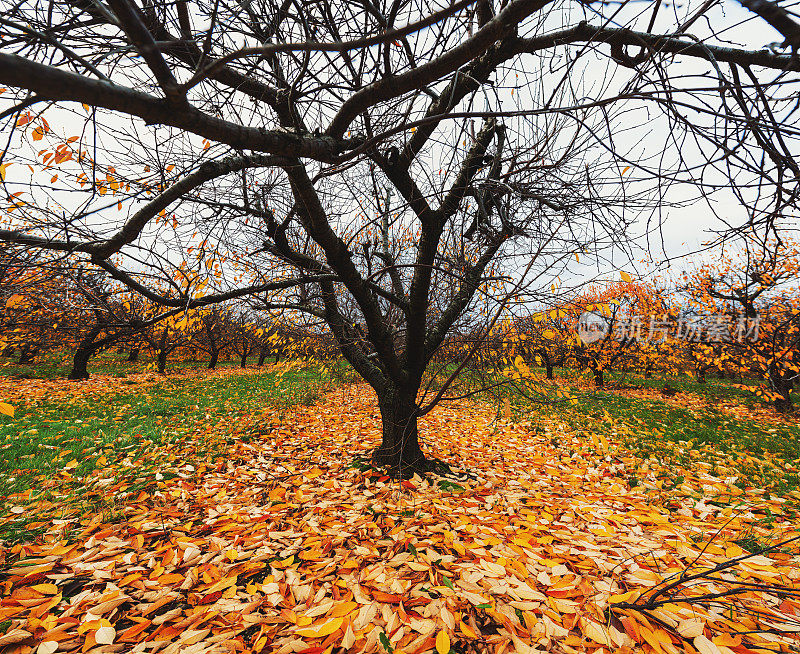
column 747, row 312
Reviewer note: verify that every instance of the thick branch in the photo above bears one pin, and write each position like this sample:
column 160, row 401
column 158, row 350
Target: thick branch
column 142, row 40
column 584, row 32
column 391, row 87
column 339, row 258
column 51, row 83
column 778, row 17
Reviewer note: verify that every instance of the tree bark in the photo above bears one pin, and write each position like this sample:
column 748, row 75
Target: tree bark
column 399, row 449
column 599, row 378
column 28, row 354
column 212, row 364
column 162, row 353
column 133, row 357
column 262, row 355
column 243, row 362
column 783, row 403
column 82, row 355
column 548, row 364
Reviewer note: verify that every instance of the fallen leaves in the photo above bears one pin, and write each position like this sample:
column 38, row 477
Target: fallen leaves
column 284, row 545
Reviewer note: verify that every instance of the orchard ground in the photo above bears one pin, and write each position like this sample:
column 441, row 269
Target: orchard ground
column 235, row 511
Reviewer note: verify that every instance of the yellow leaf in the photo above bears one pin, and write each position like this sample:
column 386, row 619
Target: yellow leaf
column 72, row 464
column 624, row 597
column 466, row 630
column 319, row 630
column 3, row 171
column 6, row 409
column 222, row 584
column 726, row 640
column 625, row 277
column 442, row 642
column 626, row 169
column 343, row 609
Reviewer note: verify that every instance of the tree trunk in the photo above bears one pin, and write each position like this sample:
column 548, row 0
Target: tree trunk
column 399, row 450
column 162, row 353
column 548, row 364
column 262, row 354
column 243, row 361
column 599, row 378
column 783, row 403
column 133, row 357
column 28, row 354
column 214, row 359
column 82, row 356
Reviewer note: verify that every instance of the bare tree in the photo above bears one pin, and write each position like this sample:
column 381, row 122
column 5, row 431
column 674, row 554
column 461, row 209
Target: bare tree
column 391, row 169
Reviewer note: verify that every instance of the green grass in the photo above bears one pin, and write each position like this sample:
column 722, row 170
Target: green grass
column 130, row 423
column 762, row 455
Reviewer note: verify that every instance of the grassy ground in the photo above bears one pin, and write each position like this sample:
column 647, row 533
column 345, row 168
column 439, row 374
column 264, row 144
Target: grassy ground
column 715, row 423
column 123, row 418
column 54, row 444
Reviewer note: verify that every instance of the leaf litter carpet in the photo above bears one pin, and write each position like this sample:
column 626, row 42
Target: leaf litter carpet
column 284, row 545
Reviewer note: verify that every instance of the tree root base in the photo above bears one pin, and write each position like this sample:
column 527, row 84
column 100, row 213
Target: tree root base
column 406, row 470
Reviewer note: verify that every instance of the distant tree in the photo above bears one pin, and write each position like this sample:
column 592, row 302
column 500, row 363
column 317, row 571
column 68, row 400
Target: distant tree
column 749, row 300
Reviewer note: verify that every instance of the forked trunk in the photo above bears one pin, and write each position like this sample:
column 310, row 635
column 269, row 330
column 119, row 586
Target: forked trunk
column 399, row 449
column 262, row 355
